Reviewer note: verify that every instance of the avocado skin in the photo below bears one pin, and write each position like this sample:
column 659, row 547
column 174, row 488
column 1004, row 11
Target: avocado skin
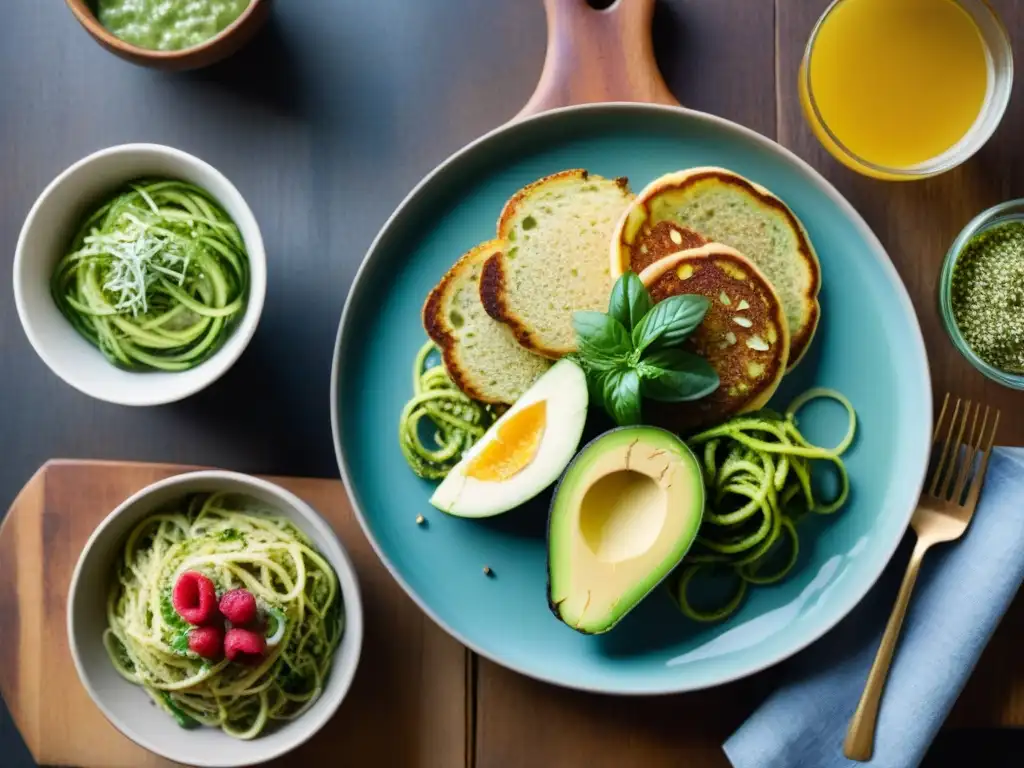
column 552, row 605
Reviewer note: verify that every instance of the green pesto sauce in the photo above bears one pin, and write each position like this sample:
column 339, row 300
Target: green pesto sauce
column 987, row 295
column 168, row 25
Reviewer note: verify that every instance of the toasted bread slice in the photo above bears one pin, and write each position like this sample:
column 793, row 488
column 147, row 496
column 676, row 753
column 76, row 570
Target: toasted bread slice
column 556, row 262
column 480, row 354
column 744, row 334
column 726, row 208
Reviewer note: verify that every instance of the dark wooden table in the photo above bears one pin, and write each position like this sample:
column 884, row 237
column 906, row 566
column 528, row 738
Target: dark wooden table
column 324, row 123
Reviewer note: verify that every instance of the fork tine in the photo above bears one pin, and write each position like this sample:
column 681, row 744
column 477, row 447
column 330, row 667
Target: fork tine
column 970, row 454
column 954, row 453
column 937, row 473
column 942, row 415
column 979, row 477
column 937, row 429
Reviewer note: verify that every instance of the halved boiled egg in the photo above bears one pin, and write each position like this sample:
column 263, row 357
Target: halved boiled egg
column 524, row 451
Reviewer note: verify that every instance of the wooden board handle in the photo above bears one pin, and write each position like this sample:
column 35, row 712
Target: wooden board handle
column 598, row 55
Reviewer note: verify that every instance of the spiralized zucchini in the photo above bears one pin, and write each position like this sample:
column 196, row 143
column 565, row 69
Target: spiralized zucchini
column 757, row 469
column 456, row 420
column 156, row 277
column 237, row 544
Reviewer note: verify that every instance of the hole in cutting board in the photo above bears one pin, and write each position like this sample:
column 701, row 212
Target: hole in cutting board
column 600, row 5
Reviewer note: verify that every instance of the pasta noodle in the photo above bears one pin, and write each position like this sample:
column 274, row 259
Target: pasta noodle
column 757, row 468
column 237, row 543
column 457, row 421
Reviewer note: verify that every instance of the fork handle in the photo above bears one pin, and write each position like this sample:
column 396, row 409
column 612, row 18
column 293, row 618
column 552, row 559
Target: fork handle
column 860, row 738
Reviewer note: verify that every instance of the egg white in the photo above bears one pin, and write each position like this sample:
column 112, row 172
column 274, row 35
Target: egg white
column 564, row 387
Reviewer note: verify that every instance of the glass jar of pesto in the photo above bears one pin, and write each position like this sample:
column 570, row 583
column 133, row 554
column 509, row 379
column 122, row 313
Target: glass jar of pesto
column 981, row 293
column 168, row 25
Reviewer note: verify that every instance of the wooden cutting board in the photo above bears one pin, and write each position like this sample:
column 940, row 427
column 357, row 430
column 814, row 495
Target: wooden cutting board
column 408, row 705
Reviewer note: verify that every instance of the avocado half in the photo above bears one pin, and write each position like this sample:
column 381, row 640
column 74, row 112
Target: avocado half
column 622, row 518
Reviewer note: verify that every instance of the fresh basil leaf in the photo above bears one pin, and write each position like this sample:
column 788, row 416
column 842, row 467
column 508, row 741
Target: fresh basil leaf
column 595, row 387
column 629, row 301
column 622, row 396
column 598, row 331
column 597, row 360
column 671, row 322
column 602, row 341
column 662, row 360
column 677, row 376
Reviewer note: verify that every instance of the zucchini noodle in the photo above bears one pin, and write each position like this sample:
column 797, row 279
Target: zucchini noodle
column 757, row 468
column 236, row 543
column 456, row 420
column 156, row 277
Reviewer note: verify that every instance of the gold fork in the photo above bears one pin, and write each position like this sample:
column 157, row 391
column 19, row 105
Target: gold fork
column 940, row 516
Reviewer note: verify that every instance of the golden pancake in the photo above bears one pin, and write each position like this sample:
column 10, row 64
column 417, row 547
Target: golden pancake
column 723, row 207
column 744, row 335
column 653, row 243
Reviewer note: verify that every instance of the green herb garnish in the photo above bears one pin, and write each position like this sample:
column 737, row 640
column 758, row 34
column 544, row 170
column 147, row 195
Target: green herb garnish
column 633, row 351
column 178, row 640
column 183, row 719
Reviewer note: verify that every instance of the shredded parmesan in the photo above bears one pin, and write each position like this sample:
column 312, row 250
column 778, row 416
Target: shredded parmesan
column 139, row 254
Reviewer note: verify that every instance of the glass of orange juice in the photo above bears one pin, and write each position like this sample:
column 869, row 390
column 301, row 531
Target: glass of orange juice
column 905, row 89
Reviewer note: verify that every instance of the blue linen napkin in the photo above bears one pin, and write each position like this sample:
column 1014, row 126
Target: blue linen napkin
column 962, row 592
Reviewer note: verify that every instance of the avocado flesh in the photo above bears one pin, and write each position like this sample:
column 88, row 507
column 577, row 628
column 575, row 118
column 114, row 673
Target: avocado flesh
column 624, row 515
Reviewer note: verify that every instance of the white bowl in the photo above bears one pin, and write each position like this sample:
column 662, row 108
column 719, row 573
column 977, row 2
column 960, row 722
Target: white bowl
column 126, row 705
column 46, row 235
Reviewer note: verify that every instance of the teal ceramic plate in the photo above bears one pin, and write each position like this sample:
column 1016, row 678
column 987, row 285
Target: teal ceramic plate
column 868, row 345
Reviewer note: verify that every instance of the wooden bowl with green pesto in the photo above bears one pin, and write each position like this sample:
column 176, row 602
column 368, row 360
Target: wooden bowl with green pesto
column 171, row 36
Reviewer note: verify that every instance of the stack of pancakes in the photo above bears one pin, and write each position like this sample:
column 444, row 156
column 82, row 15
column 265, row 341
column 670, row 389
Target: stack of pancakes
column 709, row 231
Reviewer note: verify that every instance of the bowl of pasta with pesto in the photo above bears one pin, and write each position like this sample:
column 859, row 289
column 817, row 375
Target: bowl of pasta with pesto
column 215, row 619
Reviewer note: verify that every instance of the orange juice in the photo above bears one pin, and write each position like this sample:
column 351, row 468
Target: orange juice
column 894, row 84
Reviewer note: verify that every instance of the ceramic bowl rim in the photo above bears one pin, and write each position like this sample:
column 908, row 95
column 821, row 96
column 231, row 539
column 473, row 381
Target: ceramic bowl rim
column 612, row 108
column 87, row 18
column 290, row 504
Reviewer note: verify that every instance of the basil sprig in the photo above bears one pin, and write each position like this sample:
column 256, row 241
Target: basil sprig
column 633, row 351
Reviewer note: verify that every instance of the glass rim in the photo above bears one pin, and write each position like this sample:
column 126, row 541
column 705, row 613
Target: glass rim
column 949, row 159
column 1002, row 213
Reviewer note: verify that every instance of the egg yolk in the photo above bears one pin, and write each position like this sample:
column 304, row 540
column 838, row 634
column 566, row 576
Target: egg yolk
column 513, row 447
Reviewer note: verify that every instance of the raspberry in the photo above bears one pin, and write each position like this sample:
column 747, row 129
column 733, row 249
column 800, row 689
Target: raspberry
column 238, row 607
column 244, row 645
column 208, row 642
column 194, row 598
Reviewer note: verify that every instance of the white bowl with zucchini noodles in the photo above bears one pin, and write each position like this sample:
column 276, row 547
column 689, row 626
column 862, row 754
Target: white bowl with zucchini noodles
column 136, row 633
column 140, row 275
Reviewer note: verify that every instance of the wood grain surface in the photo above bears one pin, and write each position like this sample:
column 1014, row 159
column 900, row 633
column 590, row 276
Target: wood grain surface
column 382, row 91
column 407, row 706
column 592, row 55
